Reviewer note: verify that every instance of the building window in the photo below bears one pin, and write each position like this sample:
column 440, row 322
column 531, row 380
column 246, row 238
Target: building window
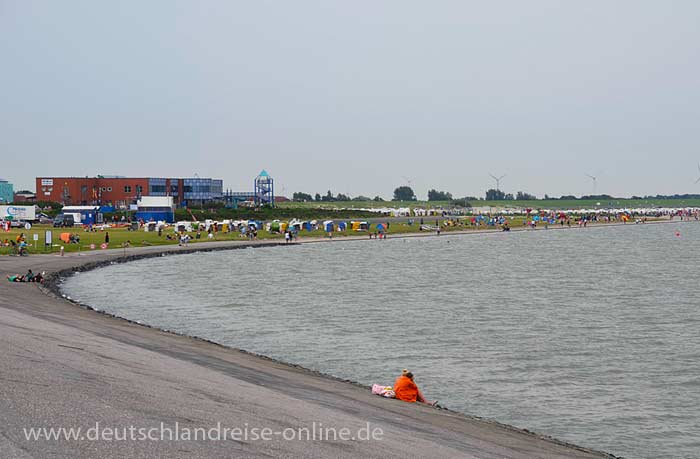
column 109, row 188
column 139, row 189
column 127, row 189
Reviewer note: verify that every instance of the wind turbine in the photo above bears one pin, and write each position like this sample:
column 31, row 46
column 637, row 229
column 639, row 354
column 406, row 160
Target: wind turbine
column 595, row 181
column 498, row 180
column 698, row 180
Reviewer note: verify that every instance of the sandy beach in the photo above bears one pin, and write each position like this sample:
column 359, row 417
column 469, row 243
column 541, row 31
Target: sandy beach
column 67, row 366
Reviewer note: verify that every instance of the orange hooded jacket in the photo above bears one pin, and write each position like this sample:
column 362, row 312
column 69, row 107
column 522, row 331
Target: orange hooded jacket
column 406, row 389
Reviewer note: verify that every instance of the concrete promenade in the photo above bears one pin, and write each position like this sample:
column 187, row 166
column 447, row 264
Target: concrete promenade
column 65, row 366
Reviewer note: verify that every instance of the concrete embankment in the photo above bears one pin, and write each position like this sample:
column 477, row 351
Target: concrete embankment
column 66, row 366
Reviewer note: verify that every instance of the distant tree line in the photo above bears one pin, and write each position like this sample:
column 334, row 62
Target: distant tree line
column 329, row 197
column 670, row 196
column 435, row 195
column 406, row 193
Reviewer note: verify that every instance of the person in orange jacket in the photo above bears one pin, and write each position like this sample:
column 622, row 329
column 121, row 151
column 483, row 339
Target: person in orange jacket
column 408, row 391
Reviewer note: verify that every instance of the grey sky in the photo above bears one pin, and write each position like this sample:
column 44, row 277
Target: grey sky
column 353, row 96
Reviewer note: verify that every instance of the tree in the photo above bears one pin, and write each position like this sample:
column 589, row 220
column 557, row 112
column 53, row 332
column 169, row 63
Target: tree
column 317, row 198
column 495, row 195
column 404, row 193
column 328, row 197
column 361, row 198
column 343, row 197
column 521, row 196
column 378, row 199
column 302, row 197
column 434, row 195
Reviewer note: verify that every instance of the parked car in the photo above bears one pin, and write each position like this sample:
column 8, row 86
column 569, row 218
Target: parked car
column 63, row 221
column 44, row 219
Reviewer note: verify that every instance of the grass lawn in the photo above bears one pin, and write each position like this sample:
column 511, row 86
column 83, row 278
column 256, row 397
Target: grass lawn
column 119, row 236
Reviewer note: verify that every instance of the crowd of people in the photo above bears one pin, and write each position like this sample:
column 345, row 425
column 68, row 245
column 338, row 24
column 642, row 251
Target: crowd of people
column 18, row 244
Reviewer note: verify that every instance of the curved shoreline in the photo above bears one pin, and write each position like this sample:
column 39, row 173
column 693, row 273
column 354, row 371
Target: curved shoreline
column 497, row 433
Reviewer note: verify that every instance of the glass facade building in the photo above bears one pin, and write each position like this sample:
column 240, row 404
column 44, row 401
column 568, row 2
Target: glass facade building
column 157, row 187
column 203, row 189
column 7, row 192
column 194, row 190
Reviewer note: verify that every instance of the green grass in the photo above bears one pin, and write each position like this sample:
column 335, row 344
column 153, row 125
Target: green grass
column 119, row 236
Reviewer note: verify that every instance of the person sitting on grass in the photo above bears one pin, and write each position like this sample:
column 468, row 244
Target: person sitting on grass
column 408, row 391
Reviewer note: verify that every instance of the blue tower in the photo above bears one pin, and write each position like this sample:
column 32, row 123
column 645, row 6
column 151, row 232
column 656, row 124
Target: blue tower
column 264, row 190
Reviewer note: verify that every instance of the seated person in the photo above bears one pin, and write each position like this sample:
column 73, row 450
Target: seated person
column 408, row 391
column 29, row 277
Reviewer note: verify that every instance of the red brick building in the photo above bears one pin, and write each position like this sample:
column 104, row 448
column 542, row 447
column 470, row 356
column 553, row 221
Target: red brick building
column 122, row 191
column 83, row 191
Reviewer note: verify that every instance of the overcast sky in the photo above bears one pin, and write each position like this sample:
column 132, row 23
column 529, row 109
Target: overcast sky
column 356, row 96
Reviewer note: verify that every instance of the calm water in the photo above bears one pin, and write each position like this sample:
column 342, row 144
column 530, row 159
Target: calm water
column 588, row 335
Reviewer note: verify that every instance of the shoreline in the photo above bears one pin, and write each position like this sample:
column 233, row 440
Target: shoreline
column 499, row 435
